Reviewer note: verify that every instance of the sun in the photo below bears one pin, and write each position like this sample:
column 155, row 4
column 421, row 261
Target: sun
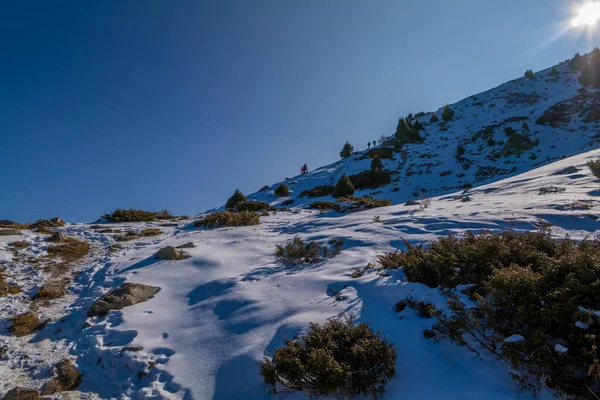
column 589, row 15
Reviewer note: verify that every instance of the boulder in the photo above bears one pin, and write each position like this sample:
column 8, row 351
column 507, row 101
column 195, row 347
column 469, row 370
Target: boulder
column 187, row 245
column 59, row 237
column 51, row 291
column 125, row 295
column 170, row 253
column 57, row 221
column 20, row 393
column 67, row 378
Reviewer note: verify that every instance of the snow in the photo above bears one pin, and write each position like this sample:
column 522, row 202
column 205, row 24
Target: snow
column 230, row 304
column 514, row 339
column 560, row 349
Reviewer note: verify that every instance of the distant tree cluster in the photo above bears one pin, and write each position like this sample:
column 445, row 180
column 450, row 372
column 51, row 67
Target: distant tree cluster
column 590, row 71
column 529, row 74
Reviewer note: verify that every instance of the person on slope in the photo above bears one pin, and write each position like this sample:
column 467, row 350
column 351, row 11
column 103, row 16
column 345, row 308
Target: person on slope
column 304, row 169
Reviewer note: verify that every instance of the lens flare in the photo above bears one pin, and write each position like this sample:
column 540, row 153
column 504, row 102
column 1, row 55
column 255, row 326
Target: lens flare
column 588, row 15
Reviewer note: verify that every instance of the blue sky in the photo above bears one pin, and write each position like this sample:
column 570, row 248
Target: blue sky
column 174, row 104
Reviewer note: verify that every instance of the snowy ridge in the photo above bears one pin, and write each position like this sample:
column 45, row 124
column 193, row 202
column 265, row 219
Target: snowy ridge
column 479, row 127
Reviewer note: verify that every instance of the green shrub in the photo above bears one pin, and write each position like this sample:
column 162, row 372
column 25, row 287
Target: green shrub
column 448, row 113
column 282, row 190
column 376, row 163
column 344, row 187
column 288, row 202
column 297, row 252
column 222, row 219
column 529, row 74
column 364, row 202
column 235, row 199
column 337, row 358
column 594, row 166
column 525, row 284
column 577, row 62
column 325, row 205
column 434, row 118
column 164, row 214
column 347, row 150
column 254, row 206
column 131, row 215
column 319, row 191
column 370, row 179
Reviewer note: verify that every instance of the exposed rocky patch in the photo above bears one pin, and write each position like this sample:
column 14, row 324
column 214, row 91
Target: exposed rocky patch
column 125, row 295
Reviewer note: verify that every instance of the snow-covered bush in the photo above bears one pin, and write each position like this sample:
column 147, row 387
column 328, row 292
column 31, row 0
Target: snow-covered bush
column 297, row 251
column 338, row 358
column 282, row 190
column 529, row 286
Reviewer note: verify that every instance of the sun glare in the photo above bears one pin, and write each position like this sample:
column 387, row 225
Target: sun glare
column 588, row 15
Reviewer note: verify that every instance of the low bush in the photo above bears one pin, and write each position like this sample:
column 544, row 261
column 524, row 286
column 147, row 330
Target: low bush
column 325, row 205
column 264, row 188
column 131, row 215
column 434, row 118
column 19, row 244
column 222, row 219
column 363, row 202
column 534, row 296
column 319, row 191
column 254, row 206
column 282, row 190
column 594, row 166
column 370, row 179
column 344, row 187
column 287, row 202
column 297, row 252
column 337, row 358
column 5, row 288
column 133, row 235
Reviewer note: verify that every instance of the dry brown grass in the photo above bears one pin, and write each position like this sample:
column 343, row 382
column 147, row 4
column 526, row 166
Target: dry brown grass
column 5, row 288
column 71, row 251
column 9, row 232
column 133, row 235
column 52, row 290
column 19, row 245
column 24, row 324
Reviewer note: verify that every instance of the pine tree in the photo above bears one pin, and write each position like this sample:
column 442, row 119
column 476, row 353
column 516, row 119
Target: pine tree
column 376, row 164
column 237, row 198
column 282, row 190
column 347, row 150
column 343, row 187
column 448, row 113
column 434, row 118
column 529, row 74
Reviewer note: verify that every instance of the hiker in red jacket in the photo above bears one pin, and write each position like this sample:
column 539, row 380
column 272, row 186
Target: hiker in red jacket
column 304, row 169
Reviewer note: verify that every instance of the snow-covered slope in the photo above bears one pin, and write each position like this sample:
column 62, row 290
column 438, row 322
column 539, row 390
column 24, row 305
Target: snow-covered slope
column 221, row 310
column 482, row 127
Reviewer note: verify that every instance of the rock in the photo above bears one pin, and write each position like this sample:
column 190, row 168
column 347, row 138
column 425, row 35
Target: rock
column 125, row 295
column 57, row 221
column 51, row 291
column 187, row 245
column 8, row 224
column 170, row 253
column 67, row 378
column 20, row 393
column 59, row 237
